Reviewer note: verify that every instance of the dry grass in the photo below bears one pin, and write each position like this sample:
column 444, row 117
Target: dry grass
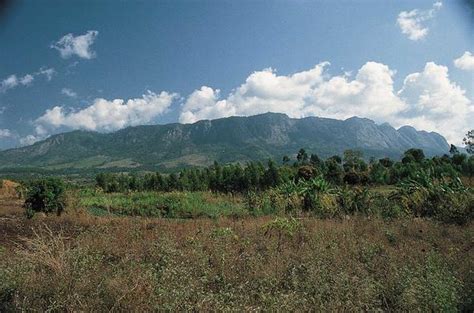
column 81, row 263
column 10, row 204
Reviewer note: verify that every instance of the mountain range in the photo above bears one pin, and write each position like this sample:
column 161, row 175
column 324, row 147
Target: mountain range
column 232, row 139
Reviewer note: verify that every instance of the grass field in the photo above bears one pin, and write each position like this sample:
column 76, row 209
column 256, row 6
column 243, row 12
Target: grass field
column 87, row 262
column 153, row 204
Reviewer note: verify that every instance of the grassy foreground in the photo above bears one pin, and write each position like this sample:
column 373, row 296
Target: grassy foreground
column 80, row 262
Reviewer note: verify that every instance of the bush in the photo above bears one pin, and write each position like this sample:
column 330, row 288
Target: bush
column 45, row 195
column 449, row 202
column 455, row 208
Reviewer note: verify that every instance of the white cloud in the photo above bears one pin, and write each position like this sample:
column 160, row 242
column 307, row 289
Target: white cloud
column 412, row 23
column 5, row 133
column 427, row 100
column 69, row 92
column 305, row 93
column 27, row 79
column 436, row 103
column 13, row 80
column 80, row 45
column 370, row 94
column 465, row 62
column 263, row 91
column 29, row 140
column 8, row 83
column 47, row 72
column 106, row 115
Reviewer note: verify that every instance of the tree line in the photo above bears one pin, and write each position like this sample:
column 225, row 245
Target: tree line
column 350, row 169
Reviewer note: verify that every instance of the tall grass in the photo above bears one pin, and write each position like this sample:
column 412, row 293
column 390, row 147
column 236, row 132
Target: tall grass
column 125, row 264
column 170, row 205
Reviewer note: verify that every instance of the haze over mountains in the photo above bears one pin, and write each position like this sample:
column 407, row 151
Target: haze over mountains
column 232, row 139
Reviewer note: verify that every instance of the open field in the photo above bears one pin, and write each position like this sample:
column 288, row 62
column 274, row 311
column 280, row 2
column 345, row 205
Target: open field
column 81, row 262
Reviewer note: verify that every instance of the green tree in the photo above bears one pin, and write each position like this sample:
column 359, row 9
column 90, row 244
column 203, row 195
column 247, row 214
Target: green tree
column 333, row 170
column 45, row 195
column 315, row 160
column 386, row 162
column 353, row 161
column 413, row 155
column 453, row 149
column 302, row 156
column 468, row 168
column 469, row 141
column 271, row 176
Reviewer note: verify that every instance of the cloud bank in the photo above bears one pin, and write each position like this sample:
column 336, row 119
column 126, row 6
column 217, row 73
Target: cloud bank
column 428, row 100
column 81, row 45
column 104, row 115
column 412, row 23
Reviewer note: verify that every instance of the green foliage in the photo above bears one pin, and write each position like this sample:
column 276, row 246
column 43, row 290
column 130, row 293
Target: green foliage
column 282, row 226
column 413, row 155
column 169, row 205
column 45, row 195
column 469, row 141
column 426, row 187
column 448, row 201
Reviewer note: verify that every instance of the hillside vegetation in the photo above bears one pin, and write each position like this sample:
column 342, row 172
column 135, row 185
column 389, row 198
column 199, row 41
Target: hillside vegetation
column 233, row 139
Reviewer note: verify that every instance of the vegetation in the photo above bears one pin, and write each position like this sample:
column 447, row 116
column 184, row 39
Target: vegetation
column 77, row 263
column 234, row 139
column 469, row 141
column 337, row 234
column 44, row 195
column 416, row 186
column 254, row 176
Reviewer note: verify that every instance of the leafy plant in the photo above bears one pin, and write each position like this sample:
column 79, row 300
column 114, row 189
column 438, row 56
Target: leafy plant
column 45, row 195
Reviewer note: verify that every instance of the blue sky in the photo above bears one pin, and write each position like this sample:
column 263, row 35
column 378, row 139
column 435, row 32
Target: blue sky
column 105, row 65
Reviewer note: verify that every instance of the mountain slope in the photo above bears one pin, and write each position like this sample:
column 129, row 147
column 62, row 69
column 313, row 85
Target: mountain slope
column 225, row 140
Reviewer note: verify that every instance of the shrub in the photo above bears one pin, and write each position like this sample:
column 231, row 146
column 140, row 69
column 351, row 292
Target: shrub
column 44, row 195
column 456, row 208
column 448, row 202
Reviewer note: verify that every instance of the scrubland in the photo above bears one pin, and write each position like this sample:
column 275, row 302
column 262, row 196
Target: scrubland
column 90, row 260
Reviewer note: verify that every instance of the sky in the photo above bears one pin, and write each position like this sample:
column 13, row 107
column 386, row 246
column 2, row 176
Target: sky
column 105, row 65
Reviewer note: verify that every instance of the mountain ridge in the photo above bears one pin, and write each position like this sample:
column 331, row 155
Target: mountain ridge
column 231, row 139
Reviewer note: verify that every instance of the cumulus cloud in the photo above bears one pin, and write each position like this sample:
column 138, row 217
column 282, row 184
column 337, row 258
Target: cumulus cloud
column 105, row 115
column 70, row 45
column 412, row 23
column 13, row 80
column 69, row 92
column 465, row 62
column 427, row 100
column 5, row 133
column 262, row 91
column 436, row 103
